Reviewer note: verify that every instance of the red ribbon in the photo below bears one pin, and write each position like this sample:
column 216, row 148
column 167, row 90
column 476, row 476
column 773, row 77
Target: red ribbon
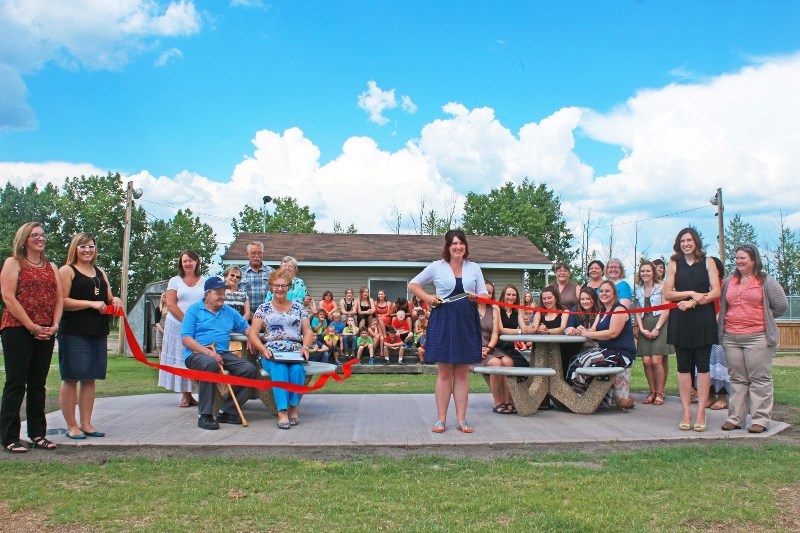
column 662, row 307
column 214, row 377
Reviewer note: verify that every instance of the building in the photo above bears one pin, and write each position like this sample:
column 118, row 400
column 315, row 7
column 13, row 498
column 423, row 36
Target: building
column 337, row 261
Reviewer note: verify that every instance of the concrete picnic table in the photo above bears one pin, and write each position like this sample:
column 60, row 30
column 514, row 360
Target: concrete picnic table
column 530, row 386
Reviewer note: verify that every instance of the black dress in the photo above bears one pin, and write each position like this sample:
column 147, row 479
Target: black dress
column 696, row 327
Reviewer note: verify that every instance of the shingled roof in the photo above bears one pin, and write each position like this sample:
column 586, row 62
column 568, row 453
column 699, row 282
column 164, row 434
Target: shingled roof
column 340, row 249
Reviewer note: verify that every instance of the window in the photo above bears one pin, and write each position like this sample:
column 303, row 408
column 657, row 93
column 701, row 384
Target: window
column 394, row 288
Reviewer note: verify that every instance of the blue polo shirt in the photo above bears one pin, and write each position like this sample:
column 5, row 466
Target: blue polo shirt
column 206, row 327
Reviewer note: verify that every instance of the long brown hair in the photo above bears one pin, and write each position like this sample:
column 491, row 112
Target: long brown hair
column 699, row 251
column 20, row 240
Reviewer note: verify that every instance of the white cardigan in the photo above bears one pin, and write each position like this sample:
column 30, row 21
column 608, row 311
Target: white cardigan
column 441, row 275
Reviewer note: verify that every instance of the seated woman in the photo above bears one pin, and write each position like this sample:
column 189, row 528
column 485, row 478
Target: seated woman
column 614, row 335
column 383, row 310
column 365, row 308
column 327, row 304
column 286, row 329
column 493, row 356
column 586, row 313
column 553, row 322
column 512, row 323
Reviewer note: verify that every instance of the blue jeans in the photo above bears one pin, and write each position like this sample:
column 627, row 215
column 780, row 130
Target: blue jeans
column 349, row 342
column 287, row 372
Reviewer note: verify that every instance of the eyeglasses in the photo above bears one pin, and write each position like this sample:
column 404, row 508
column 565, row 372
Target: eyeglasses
column 234, row 276
column 280, row 286
column 35, row 236
column 86, row 247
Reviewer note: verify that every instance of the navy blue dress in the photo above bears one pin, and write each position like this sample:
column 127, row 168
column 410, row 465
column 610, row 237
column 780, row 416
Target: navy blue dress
column 454, row 331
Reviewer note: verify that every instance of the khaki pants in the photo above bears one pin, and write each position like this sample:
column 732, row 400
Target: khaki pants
column 750, row 367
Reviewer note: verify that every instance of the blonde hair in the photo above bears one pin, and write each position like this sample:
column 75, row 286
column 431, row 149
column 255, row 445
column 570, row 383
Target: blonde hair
column 78, row 240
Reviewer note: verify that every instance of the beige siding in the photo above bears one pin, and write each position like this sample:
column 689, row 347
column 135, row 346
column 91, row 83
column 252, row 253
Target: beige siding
column 337, row 279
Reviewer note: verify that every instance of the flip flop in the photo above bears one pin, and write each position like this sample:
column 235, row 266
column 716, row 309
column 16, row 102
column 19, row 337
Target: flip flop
column 464, row 427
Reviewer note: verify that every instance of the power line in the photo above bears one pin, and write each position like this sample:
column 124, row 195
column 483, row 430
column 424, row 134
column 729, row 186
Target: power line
column 179, row 208
column 653, row 218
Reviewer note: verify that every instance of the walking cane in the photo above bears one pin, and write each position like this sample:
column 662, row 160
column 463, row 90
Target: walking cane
column 230, row 389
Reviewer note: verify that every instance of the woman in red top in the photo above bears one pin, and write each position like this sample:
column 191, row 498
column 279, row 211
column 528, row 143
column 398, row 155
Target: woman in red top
column 327, row 303
column 32, row 294
column 383, row 310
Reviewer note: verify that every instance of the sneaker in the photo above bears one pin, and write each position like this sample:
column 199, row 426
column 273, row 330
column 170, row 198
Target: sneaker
column 227, row 418
column 371, row 361
column 386, row 362
column 338, row 363
column 401, row 362
column 207, row 422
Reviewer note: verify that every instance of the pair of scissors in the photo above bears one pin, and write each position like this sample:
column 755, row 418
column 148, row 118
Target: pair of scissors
column 450, row 299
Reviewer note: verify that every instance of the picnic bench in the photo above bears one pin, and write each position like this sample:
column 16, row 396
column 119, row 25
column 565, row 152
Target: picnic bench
column 530, row 386
column 313, row 368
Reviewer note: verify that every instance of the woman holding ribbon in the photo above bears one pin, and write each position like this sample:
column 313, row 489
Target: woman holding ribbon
column 32, row 295
column 83, row 341
column 454, row 329
column 614, row 335
column 183, row 290
column 692, row 282
column 286, row 327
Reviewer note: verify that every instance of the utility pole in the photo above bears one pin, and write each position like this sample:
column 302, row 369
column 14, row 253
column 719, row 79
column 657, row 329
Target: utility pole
column 717, row 201
column 130, row 195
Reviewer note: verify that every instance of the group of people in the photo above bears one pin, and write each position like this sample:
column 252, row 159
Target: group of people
column 451, row 329
column 722, row 331
column 43, row 302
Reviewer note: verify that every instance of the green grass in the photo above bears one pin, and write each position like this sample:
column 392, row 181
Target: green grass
column 706, row 486
column 663, row 489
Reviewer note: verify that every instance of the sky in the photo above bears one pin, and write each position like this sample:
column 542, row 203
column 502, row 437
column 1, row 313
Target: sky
column 633, row 112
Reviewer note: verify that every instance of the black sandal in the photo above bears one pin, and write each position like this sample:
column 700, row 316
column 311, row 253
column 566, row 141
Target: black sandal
column 501, row 409
column 15, row 446
column 44, row 444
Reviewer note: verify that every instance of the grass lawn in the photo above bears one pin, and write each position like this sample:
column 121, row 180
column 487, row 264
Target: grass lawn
column 706, row 486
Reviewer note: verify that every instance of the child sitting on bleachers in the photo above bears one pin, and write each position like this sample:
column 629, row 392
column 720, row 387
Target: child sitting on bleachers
column 331, row 340
column 318, row 324
column 375, row 333
column 419, row 338
column 349, row 337
column 402, row 325
column 364, row 341
column 392, row 345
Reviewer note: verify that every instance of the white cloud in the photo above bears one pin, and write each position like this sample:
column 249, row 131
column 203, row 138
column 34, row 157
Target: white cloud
column 408, row 105
column 79, row 34
column 169, row 56
column 738, row 131
column 375, row 101
column 253, row 4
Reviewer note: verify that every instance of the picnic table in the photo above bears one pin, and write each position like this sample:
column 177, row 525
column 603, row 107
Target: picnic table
column 313, row 368
column 530, row 386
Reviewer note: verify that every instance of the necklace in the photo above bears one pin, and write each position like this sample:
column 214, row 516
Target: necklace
column 96, row 281
column 37, row 264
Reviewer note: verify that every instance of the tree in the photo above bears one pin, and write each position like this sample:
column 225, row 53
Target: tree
column 165, row 241
column 337, row 228
column 738, row 233
column 26, row 204
column 249, row 220
column 530, row 210
column 784, row 265
column 289, row 217
column 429, row 222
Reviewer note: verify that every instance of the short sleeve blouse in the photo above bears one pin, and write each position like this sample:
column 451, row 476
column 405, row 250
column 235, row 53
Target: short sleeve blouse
column 186, row 295
column 282, row 329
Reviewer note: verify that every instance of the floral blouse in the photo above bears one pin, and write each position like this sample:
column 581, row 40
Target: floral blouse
column 282, row 330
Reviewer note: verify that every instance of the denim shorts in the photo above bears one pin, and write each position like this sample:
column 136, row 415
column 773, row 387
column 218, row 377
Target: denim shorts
column 82, row 357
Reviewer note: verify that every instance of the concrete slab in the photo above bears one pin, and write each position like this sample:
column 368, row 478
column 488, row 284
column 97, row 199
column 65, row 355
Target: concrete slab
column 385, row 420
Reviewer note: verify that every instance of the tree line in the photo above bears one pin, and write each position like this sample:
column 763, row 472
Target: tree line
column 97, row 204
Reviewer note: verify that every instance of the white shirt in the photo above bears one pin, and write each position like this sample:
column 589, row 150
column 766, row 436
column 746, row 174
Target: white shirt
column 441, row 275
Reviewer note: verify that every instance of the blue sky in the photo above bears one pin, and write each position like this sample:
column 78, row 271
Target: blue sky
column 197, row 100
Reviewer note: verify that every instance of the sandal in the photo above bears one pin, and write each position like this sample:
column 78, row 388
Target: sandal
column 719, row 405
column 438, row 427
column 501, row 409
column 184, row 404
column 284, row 425
column 659, row 399
column 512, row 409
column 650, row 399
column 464, row 427
column 294, row 421
column 44, row 444
column 15, row 446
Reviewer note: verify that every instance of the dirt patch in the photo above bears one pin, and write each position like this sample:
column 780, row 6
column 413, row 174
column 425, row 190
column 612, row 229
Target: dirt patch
column 787, row 360
column 27, row 520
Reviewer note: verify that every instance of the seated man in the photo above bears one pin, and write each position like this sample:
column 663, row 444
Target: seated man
column 211, row 321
